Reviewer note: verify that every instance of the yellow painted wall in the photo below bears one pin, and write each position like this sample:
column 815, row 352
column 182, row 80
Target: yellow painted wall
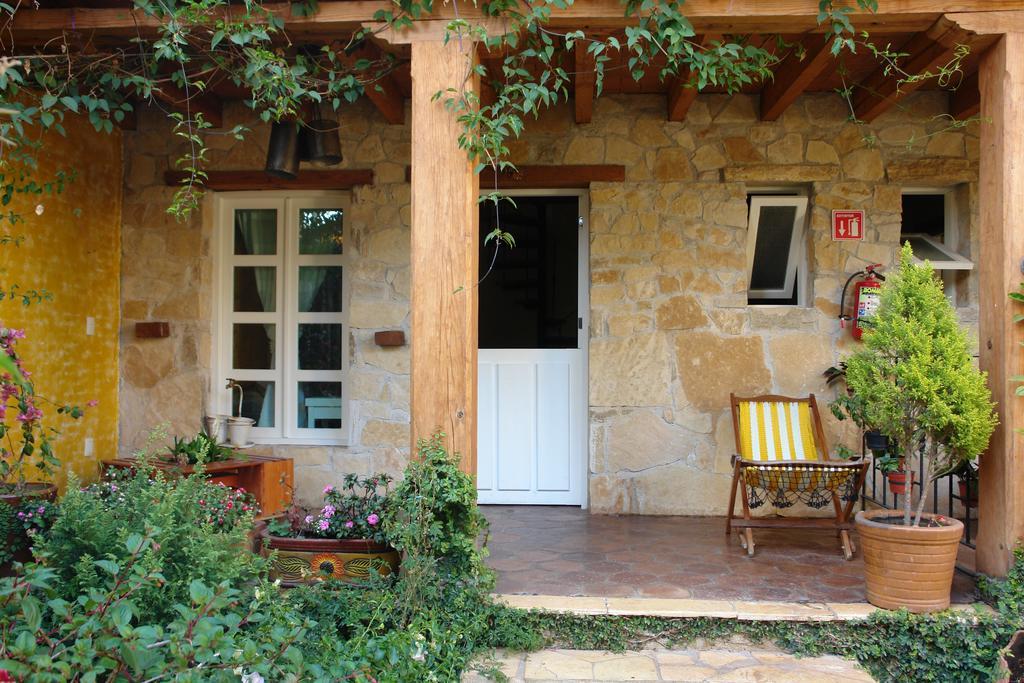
column 72, row 249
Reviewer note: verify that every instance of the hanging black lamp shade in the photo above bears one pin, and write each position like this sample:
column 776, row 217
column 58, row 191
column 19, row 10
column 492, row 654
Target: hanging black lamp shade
column 283, row 150
column 320, row 143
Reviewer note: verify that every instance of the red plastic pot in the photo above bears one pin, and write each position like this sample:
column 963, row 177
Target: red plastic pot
column 898, row 482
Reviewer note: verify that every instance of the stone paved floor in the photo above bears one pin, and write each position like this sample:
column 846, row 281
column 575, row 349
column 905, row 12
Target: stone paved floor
column 567, row 551
column 725, row 665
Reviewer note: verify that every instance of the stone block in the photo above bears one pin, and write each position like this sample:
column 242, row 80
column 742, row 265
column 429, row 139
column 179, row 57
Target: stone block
column 672, row 164
column 382, row 433
column 781, row 173
column 630, row 372
column 788, row 150
column 585, row 150
column 798, row 361
column 741, row 151
column 864, row 164
column 708, row 157
column 682, row 312
column 377, row 314
column 819, row 152
column 711, row 366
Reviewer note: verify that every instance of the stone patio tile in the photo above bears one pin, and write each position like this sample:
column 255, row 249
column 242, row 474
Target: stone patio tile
column 847, row 611
column 557, row 665
column 556, row 603
column 626, row 666
column 720, row 658
column 764, row 610
column 684, row 673
column 671, row 607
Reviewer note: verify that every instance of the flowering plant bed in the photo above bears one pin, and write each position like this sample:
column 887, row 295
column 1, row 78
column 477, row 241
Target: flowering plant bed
column 343, row 540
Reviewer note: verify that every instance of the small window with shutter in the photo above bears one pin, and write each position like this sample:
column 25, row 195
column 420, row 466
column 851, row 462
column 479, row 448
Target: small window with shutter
column 776, row 249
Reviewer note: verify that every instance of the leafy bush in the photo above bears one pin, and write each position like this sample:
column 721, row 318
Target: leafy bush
column 188, row 543
column 199, row 449
column 215, row 634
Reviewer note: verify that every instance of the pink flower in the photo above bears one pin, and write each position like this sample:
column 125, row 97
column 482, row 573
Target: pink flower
column 349, row 524
column 372, row 519
column 323, row 524
column 328, row 511
column 309, row 519
column 328, row 489
column 92, row 403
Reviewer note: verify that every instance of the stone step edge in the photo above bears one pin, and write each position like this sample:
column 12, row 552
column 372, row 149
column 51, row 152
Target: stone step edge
column 746, row 610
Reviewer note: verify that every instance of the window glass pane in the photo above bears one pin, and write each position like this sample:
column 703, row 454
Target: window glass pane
column 925, row 251
column 255, row 289
column 924, row 214
column 257, row 402
column 252, row 347
column 319, row 289
column 320, row 231
column 255, row 231
column 771, row 249
column 319, row 405
column 319, row 346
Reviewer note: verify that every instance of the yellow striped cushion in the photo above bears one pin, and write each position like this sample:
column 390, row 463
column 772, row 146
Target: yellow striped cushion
column 776, row 430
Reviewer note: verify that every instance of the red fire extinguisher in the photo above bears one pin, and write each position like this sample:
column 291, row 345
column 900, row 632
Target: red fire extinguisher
column 866, row 296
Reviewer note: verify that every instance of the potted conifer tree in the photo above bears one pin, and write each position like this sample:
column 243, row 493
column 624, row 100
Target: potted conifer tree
column 918, row 385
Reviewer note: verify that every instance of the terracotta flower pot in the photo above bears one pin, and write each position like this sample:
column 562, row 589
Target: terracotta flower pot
column 306, row 560
column 17, row 538
column 909, row 567
column 898, row 482
column 968, row 492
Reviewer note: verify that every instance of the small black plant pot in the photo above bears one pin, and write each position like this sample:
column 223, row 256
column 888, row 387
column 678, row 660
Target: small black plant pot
column 876, row 441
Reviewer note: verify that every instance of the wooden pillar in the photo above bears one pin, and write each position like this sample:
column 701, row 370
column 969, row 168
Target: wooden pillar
column 445, row 243
column 1001, row 505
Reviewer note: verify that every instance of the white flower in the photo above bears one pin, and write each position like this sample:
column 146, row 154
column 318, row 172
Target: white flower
column 39, row 209
column 252, row 678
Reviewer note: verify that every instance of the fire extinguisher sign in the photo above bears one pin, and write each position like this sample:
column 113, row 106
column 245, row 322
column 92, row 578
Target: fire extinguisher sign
column 847, row 224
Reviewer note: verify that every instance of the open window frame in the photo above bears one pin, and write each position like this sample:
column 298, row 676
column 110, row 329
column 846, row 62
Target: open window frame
column 796, row 252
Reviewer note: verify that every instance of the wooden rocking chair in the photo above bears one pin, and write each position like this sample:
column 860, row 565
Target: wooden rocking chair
column 783, row 459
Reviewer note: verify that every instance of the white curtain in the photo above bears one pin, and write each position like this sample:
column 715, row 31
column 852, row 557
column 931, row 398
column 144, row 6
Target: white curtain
column 259, row 240
column 311, row 278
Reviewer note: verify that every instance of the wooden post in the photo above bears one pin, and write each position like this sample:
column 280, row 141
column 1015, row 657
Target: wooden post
column 445, row 243
column 1001, row 505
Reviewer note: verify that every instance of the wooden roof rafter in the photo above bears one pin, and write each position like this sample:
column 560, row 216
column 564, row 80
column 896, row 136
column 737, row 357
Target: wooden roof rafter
column 925, row 53
column 792, row 77
column 383, row 91
column 681, row 92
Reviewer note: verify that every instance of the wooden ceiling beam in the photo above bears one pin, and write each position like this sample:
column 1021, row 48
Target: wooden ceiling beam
column 229, row 181
column 739, row 16
column 584, row 81
column 191, row 103
column 681, row 93
column 925, row 52
column 792, row 77
column 965, row 101
column 383, row 90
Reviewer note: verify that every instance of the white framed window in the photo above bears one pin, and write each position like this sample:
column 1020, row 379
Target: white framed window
column 929, row 224
column 776, row 248
column 282, row 312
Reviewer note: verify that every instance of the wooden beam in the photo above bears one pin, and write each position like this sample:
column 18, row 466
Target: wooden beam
column 383, row 90
column 1001, row 243
column 681, row 93
column 989, row 23
column 192, row 103
column 227, row 181
column 584, row 82
column 965, row 101
column 445, row 254
column 553, row 177
column 926, row 52
column 792, row 77
column 739, row 16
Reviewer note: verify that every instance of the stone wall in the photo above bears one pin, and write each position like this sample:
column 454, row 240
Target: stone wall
column 671, row 332
column 168, row 275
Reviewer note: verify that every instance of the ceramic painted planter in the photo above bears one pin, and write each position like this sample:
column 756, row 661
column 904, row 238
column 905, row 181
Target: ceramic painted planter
column 909, row 567
column 23, row 554
column 306, row 560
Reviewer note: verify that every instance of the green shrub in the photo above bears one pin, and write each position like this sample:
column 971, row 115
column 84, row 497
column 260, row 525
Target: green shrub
column 188, row 545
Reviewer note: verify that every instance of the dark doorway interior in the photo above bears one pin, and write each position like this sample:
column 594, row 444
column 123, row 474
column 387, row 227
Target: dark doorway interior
column 529, row 299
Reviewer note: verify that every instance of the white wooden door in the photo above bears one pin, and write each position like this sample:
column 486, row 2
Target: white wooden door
column 532, row 405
